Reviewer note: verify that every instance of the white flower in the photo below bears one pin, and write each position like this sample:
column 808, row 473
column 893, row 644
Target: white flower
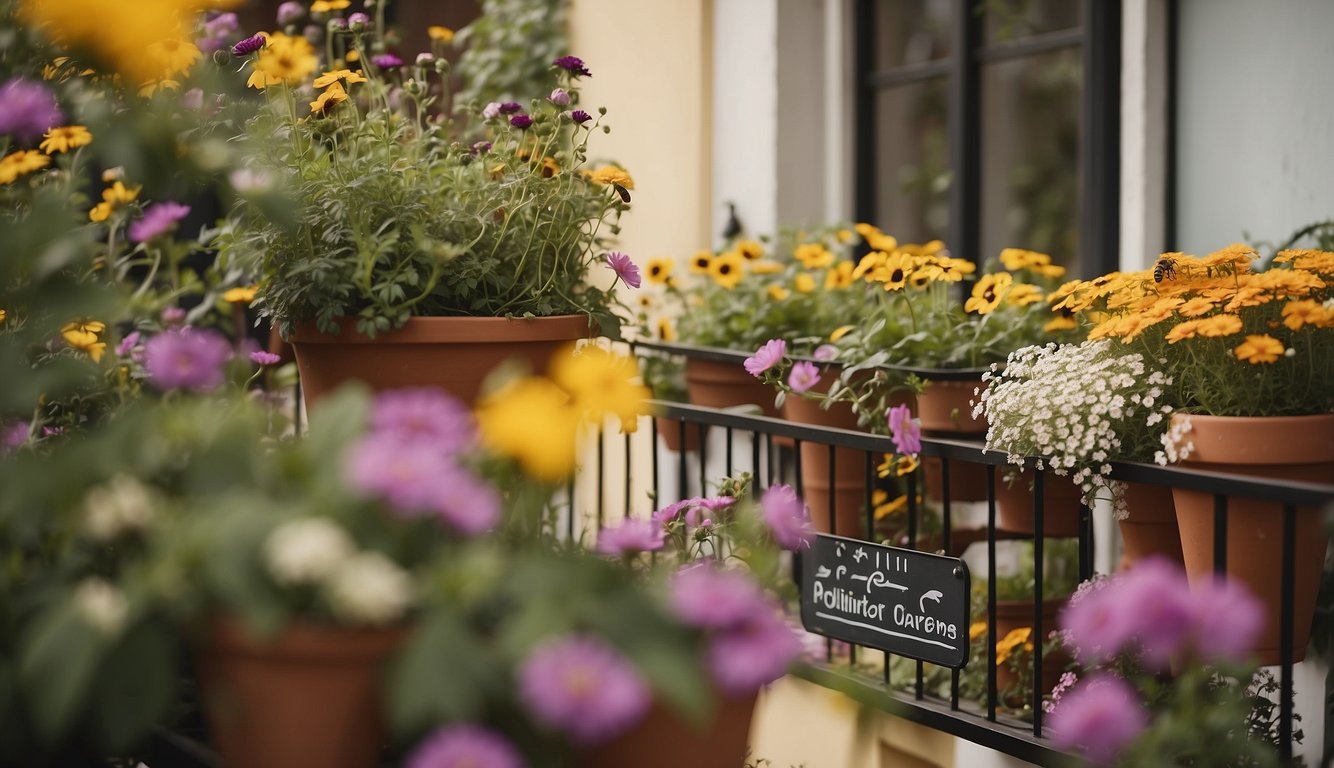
column 102, row 605
column 306, row 550
column 121, row 505
column 369, row 588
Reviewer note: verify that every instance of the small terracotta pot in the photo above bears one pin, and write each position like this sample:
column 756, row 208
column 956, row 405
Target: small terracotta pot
column 1151, row 528
column 455, row 354
column 849, row 488
column 665, row 740
column 670, row 431
column 1060, row 505
column 715, row 384
column 945, row 412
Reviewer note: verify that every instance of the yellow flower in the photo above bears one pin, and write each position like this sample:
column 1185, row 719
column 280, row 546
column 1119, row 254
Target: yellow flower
column 888, row 508
column 147, row 90
column 533, row 421
column 700, row 262
column 1015, row 259
column 844, row 236
column 17, row 164
column 1219, row 325
column 328, row 99
column 173, row 56
column 839, row 277
column 1299, row 313
column 1237, row 256
column 840, row 332
column 324, row 6
column 988, row 293
column 113, row 197
column 1259, row 349
column 976, row 630
column 804, row 283
column 285, row 59
column 1015, row 638
column 866, row 230
column 83, row 335
column 893, row 273
column 763, row 267
column 750, row 250
column 1060, row 323
column 440, row 34
column 1182, row 331
column 120, row 34
column 65, row 138
column 666, row 331
column 727, row 269
column 882, row 242
column 2, row 315
column 1196, row 306
column 610, row 174
column 778, row 292
column 602, row 384
column 346, row 75
column 1023, row 294
column 813, row 255
column 240, row 295
column 658, row 271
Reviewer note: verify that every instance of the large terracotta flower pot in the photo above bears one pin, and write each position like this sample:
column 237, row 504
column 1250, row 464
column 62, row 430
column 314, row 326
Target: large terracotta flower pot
column 1150, row 529
column 665, row 740
column 310, row 696
column 453, row 353
column 716, row 384
column 1279, row 447
column 849, row 492
column 1060, row 505
column 944, row 411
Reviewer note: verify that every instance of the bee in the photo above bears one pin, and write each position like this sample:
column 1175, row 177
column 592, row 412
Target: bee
column 1165, row 268
column 622, row 192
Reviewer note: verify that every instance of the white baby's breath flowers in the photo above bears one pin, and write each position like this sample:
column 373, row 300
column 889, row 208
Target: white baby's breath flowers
column 119, row 506
column 369, row 588
column 102, row 605
column 306, row 550
column 1077, row 407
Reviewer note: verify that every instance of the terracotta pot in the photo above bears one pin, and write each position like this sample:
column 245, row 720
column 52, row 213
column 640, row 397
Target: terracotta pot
column 1016, row 614
column 665, row 740
column 670, row 431
column 1151, row 528
column 311, row 696
column 1279, row 447
column 1060, row 505
column 453, row 353
column 715, row 384
column 944, row 411
column 849, row 489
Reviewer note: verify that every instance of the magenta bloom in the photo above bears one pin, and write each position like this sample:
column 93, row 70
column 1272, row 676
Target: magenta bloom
column 624, row 268
column 583, row 687
column 755, row 653
column 788, row 518
column 825, row 352
column 127, row 344
column 631, row 536
column 803, row 376
column 1154, row 603
column 1226, row 620
column 248, row 45
column 711, row 597
column 1102, row 715
column 290, row 12
column 172, row 315
column 260, row 357
column 560, row 97
column 521, row 121
column 358, row 18
column 13, row 435
column 418, row 478
column 480, row 148
column 189, row 358
column 27, row 109
column 387, row 61
column 509, row 107
column 492, row 109
column 572, row 64
column 465, row 746
column 904, row 430
column 766, row 357
column 580, row 117
column 426, row 414
column 158, row 220
column 467, row 503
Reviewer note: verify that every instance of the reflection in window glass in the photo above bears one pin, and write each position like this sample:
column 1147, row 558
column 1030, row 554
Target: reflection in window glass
column 1012, row 19
column 1030, row 156
column 912, row 177
column 911, row 32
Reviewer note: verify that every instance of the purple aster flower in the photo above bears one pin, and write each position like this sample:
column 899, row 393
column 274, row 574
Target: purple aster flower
column 560, row 97
column 290, row 12
column 13, row 435
column 521, row 121
column 410, row 475
column 491, row 110
column 710, row 597
column 904, row 430
column 467, row 503
column 510, row 107
column 158, row 220
column 424, row 58
column 803, row 376
column 755, row 653
column 337, row 23
column 631, row 536
column 249, row 45
column 189, row 358
column 825, row 352
column 670, row 512
column 624, row 268
column 358, row 19
column 387, row 61
column 582, row 686
column 52, row 431
column 464, row 746
column 27, row 109
column 261, row 357
column 572, row 64
column 1154, row 604
column 1090, row 623
column 765, row 357
column 580, row 117
column 697, row 509
column 1227, row 621
column 216, row 31
column 481, row 148
column 127, row 344
column 172, row 315
column 424, row 414
column 788, row 518
column 1102, row 715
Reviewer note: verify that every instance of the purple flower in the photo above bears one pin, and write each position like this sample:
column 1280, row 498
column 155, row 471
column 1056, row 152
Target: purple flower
column 572, row 64
column 424, row 58
column 386, row 61
column 13, row 435
column 510, row 107
column 249, row 45
column 624, row 268
column 711, row 597
column 216, row 31
column 127, row 344
column 904, row 430
column 189, row 358
column 491, row 110
column 765, row 357
column 172, row 315
column 788, row 518
column 290, row 12
column 481, row 147
column 339, row 23
column 467, row 503
column 464, row 746
column 1091, row 625
column 424, row 414
column 27, row 109
column 756, row 652
column 358, row 18
column 582, row 686
column 260, row 357
column 521, row 121
column 158, row 220
column 1154, row 603
column 560, row 97
column 825, row 352
column 631, row 536
column 1102, row 715
column 804, row 375
column 580, row 117
column 193, row 99
column 1227, row 620
column 417, row 478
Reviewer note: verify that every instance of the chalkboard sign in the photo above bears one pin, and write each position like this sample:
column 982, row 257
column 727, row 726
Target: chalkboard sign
column 897, row 600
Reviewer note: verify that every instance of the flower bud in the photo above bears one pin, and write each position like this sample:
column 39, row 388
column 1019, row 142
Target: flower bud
column 412, row 87
column 425, row 58
column 442, row 66
column 358, row 22
column 560, row 97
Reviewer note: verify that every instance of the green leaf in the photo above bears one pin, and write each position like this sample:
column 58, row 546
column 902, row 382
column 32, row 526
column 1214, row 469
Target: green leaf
column 444, row 673
column 136, row 686
column 57, row 666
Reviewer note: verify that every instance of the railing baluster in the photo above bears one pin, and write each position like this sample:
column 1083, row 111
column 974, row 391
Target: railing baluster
column 1285, row 632
column 1039, row 531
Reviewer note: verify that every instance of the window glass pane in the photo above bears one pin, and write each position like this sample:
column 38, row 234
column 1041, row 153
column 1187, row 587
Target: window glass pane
column 1030, row 156
column 912, row 161
column 1013, row 19
column 911, row 32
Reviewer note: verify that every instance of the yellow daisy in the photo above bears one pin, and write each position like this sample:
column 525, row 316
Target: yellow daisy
column 328, row 99
column 988, row 293
column 804, row 283
column 1196, row 306
column 659, row 271
column 1219, row 325
column 778, row 292
column 440, row 34
column 346, row 75
column 666, row 331
column 766, row 267
column 286, row 59
column 65, row 138
column 839, row 277
column 83, row 335
column 1299, row 313
column 1259, row 349
column 750, row 250
column 610, row 174
column 18, row 164
column 727, row 269
column 240, row 295
column 699, row 263
column 813, row 255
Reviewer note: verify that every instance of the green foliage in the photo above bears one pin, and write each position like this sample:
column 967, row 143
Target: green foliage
column 510, row 48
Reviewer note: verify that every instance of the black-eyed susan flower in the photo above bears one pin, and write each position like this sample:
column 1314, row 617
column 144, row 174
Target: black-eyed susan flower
column 750, row 250
column 1259, row 348
column 113, row 198
column 777, row 292
column 665, row 329
column 659, row 270
column 766, row 267
column 65, row 138
column 727, row 269
column 989, row 292
column 18, row 164
column 328, row 99
column 803, row 283
column 839, row 277
column 346, row 75
column 699, row 263
column 813, row 255
column 172, row 56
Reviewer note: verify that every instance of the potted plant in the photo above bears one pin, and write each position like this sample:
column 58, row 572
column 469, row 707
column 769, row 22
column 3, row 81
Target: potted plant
column 382, row 221
column 1250, row 354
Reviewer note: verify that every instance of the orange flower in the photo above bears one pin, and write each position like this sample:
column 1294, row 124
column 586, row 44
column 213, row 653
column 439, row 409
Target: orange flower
column 1259, row 349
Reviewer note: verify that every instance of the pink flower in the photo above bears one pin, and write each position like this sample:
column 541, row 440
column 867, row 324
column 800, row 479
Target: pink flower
column 711, row 597
column 417, row 478
column 583, row 687
column 560, row 97
column 804, row 375
column 1154, row 602
column 425, row 413
column 464, row 746
column 158, row 220
column 1102, row 715
column 260, row 357
column 765, row 357
column 632, row 535
column 755, row 653
column 825, row 352
column 624, row 268
column 788, row 518
column 1227, row 620
column 904, row 430
column 190, row 358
